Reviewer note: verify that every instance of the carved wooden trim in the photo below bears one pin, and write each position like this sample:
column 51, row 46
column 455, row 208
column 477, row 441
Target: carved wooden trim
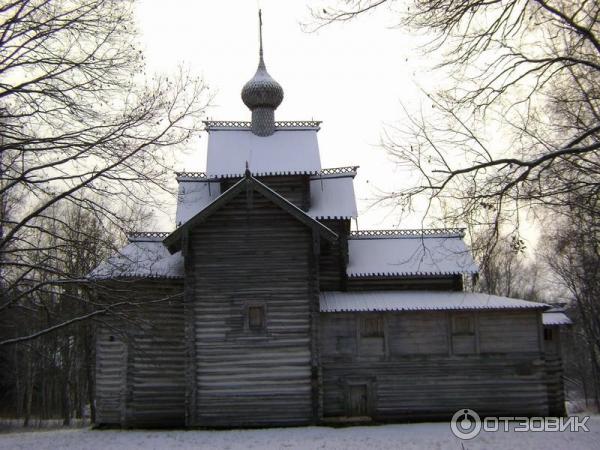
column 144, row 236
column 420, row 232
column 247, row 124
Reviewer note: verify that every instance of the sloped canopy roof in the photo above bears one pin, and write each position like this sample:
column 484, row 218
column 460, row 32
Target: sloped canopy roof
column 336, row 301
column 409, row 255
column 332, row 197
column 287, row 151
column 173, row 241
column 141, row 258
column 555, row 317
column 193, row 196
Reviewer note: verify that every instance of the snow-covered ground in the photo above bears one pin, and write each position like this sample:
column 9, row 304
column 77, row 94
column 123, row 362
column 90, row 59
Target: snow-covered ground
column 404, row 436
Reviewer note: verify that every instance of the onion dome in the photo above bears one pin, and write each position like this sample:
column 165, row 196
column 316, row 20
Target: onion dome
column 262, row 95
column 262, row 90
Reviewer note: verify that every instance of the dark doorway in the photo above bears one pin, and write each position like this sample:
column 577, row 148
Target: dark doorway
column 358, row 400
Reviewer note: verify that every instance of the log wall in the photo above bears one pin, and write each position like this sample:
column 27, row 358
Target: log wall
column 140, row 373
column 554, row 371
column 418, row 374
column 252, row 253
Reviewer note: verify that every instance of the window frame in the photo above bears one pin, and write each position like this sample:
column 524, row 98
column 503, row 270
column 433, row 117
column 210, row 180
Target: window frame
column 246, row 312
column 369, row 339
column 456, row 334
column 364, row 332
column 460, row 332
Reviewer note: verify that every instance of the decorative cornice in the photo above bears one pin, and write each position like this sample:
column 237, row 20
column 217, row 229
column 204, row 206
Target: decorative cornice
column 420, row 232
column 339, row 170
column 227, row 124
column 330, row 172
column 147, row 236
column 199, row 175
column 298, row 124
column 237, row 124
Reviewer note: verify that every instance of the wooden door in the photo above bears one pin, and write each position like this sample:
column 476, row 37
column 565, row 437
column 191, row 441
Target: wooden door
column 111, row 378
column 358, row 400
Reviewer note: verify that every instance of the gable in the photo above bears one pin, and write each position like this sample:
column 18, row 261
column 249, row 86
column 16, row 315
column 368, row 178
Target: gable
column 249, row 185
column 249, row 238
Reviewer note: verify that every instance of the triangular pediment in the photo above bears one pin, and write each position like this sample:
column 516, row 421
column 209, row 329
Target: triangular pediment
column 247, row 184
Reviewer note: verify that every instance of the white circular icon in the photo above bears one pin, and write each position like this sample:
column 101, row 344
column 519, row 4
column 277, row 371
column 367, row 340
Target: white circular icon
column 465, row 424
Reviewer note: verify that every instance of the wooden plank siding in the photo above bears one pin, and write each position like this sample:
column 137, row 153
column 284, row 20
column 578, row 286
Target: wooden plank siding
column 140, row 377
column 252, row 253
column 418, row 375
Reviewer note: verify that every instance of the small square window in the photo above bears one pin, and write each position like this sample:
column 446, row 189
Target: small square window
column 371, row 327
column 547, row 334
column 256, row 317
column 463, row 325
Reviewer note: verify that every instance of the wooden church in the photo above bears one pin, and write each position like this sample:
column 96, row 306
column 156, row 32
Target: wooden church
column 264, row 308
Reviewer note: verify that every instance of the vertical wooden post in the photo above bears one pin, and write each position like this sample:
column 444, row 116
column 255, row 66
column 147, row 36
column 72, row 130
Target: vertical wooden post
column 314, row 311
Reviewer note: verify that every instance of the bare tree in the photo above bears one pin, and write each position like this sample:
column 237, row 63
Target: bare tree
column 80, row 125
column 53, row 376
column 508, row 271
column 574, row 256
column 517, row 123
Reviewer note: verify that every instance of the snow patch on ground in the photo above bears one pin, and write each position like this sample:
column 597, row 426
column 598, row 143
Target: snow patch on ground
column 405, row 436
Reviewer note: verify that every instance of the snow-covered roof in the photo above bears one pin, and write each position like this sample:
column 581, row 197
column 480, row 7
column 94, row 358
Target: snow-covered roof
column 409, row 255
column 193, row 197
column 555, row 317
column 287, row 151
column 332, row 197
column 337, row 301
column 141, row 258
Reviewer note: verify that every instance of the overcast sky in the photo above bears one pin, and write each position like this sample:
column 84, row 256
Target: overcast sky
column 352, row 76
